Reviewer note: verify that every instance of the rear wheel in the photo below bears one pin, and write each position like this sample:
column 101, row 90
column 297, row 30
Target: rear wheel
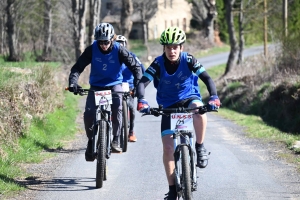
column 186, row 177
column 101, row 154
column 124, row 128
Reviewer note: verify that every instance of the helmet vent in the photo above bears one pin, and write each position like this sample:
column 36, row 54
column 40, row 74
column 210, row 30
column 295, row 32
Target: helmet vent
column 173, row 37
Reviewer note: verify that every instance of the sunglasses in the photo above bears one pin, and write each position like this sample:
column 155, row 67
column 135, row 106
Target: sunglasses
column 106, row 42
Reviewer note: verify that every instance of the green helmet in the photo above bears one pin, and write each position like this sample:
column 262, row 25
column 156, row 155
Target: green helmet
column 172, row 35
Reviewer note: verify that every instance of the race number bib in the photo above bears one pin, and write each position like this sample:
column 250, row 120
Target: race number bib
column 125, row 86
column 182, row 121
column 103, row 97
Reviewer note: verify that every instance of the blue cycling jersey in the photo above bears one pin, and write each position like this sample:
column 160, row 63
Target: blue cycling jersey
column 105, row 68
column 172, row 88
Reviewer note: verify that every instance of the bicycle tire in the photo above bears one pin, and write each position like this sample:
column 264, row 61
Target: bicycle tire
column 186, row 177
column 101, row 154
column 124, row 128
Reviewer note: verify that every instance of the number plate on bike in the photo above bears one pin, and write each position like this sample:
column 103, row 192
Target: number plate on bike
column 103, row 97
column 182, row 121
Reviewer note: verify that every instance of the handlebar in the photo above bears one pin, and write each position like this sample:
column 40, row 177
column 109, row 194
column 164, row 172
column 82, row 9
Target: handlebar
column 167, row 111
column 82, row 91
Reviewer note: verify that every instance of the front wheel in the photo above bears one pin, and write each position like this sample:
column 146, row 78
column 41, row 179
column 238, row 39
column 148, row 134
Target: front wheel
column 101, row 154
column 186, row 176
column 124, row 127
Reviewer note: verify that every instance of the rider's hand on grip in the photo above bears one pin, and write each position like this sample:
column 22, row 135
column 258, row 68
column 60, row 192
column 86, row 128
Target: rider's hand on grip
column 143, row 106
column 214, row 102
column 74, row 87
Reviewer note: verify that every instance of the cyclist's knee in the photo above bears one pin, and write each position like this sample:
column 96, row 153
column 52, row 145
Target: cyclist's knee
column 199, row 117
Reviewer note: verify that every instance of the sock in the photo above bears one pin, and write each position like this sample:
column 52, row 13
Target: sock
column 172, row 189
column 199, row 145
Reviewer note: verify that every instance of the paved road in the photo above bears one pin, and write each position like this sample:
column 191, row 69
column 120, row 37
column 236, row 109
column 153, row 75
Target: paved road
column 211, row 61
column 239, row 168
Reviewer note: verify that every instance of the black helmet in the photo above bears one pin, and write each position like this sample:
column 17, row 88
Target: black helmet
column 104, row 31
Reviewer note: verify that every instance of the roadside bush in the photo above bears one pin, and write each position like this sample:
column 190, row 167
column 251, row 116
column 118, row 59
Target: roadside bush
column 25, row 94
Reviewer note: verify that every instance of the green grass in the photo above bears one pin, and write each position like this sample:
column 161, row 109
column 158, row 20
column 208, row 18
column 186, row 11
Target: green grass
column 255, row 127
column 137, row 47
column 48, row 133
column 214, row 73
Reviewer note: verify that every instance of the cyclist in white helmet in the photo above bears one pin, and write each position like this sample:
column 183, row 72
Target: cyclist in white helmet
column 128, row 77
column 106, row 58
column 174, row 76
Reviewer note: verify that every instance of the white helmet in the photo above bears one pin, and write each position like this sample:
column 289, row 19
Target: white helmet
column 104, row 31
column 122, row 39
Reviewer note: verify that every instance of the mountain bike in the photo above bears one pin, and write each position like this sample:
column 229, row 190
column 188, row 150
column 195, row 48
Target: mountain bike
column 184, row 153
column 102, row 131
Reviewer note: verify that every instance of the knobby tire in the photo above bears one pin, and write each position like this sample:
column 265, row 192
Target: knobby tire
column 186, row 177
column 101, row 154
column 124, row 128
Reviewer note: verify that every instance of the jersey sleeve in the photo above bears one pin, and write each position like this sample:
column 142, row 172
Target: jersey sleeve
column 84, row 60
column 194, row 65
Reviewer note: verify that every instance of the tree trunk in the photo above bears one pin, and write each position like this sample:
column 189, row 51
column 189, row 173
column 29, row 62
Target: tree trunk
column 78, row 19
column 209, row 21
column 11, row 31
column 2, row 20
column 95, row 6
column 126, row 23
column 47, row 30
column 241, row 33
column 232, row 37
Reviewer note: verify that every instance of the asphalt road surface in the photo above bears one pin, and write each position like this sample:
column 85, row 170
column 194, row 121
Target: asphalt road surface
column 239, row 167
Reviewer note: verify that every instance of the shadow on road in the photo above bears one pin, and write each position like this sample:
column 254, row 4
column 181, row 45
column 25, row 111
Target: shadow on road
column 58, row 184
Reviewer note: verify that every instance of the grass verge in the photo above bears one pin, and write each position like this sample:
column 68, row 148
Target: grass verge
column 48, row 133
column 255, row 126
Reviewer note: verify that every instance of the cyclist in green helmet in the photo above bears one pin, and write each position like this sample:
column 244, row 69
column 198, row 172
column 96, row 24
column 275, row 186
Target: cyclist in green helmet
column 176, row 87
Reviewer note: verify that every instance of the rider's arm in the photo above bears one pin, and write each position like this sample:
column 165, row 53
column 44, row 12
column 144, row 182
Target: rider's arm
column 198, row 69
column 84, row 60
column 138, row 60
column 133, row 65
column 152, row 71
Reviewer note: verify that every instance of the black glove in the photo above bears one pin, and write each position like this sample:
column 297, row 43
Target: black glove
column 74, row 88
column 133, row 92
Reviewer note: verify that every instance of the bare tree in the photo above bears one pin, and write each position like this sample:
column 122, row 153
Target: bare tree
column 2, row 26
column 95, row 6
column 78, row 20
column 241, row 33
column 47, row 30
column 204, row 12
column 232, row 38
column 126, row 12
column 11, row 9
column 147, row 9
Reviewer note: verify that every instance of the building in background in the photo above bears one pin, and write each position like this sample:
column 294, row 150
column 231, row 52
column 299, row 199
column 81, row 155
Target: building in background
column 158, row 15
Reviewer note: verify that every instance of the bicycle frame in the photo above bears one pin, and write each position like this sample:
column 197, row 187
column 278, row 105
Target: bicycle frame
column 184, row 153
